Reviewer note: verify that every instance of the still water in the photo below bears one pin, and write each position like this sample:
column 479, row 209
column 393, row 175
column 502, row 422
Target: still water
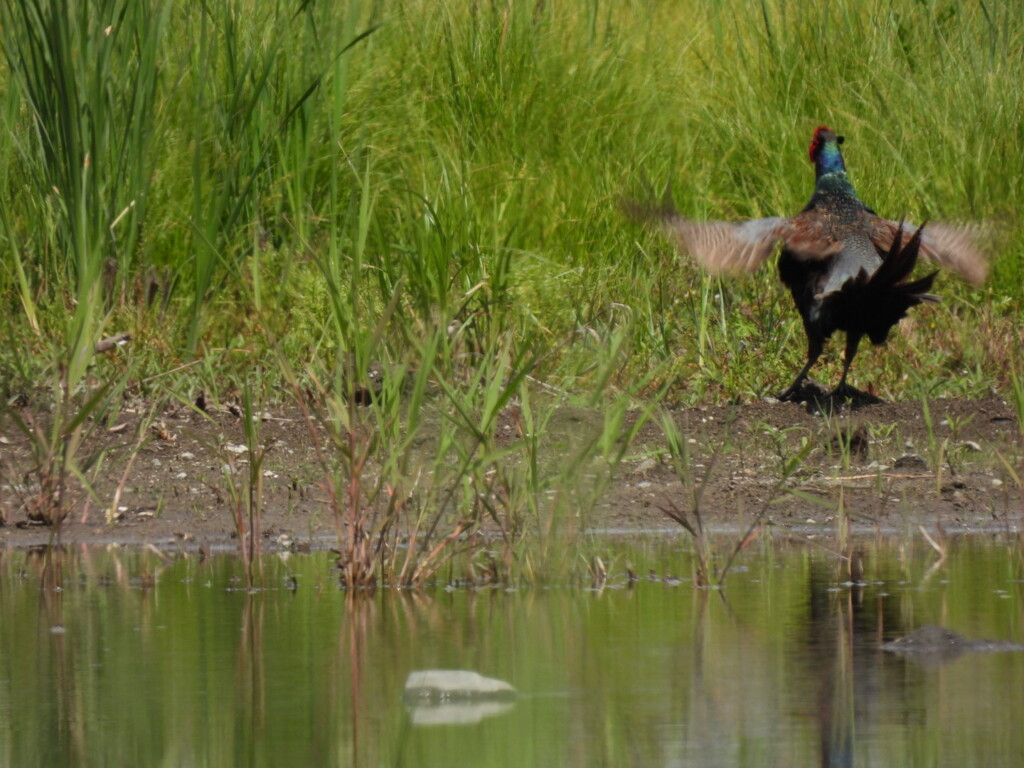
column 115, row 658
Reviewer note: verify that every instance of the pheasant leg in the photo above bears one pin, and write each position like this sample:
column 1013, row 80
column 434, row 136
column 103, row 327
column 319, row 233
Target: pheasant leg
column 815, row 345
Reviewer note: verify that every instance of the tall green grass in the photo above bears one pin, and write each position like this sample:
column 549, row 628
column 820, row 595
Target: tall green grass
column 218, row 153
column 312, row 190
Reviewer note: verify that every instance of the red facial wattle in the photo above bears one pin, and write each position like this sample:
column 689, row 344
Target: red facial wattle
column 816, row 142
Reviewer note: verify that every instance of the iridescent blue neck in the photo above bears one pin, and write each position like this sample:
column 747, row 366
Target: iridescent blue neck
column 828, row 159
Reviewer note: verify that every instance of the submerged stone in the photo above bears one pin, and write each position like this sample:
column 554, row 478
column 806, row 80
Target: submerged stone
column 931, row 639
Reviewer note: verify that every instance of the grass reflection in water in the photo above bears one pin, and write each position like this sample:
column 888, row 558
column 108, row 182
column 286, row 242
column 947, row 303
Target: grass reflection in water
column 118, row 658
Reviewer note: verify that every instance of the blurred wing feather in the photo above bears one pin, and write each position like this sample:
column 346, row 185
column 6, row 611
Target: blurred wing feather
column 956, row 247
column 723, row 246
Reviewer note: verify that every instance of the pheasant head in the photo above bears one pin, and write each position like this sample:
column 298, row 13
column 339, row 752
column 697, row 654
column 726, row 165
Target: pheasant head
column 824, row 152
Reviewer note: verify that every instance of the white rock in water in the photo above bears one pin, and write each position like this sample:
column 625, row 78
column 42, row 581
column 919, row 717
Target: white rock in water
column 455, row 697
column 454, row 683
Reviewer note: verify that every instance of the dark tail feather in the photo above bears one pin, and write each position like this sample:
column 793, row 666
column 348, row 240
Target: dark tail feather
column 876, row 305
column 899, row 261
column 919, row 288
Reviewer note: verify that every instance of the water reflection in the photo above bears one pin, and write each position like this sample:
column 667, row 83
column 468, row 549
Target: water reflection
column 135, row 658
column 844, row 628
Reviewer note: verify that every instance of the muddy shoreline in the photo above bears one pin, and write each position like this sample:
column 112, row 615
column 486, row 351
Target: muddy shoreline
column 881, row 466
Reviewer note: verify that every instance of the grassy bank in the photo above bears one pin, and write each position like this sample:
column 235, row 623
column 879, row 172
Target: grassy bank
column 281, row 200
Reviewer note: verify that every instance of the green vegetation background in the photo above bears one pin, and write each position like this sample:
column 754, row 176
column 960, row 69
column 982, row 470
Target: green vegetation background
column 253, row 189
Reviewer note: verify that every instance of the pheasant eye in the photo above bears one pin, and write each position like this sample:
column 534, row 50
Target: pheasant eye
column 840, row 139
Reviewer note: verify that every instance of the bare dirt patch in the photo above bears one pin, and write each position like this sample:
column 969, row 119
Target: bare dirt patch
column 888, row 466
column 882, row 465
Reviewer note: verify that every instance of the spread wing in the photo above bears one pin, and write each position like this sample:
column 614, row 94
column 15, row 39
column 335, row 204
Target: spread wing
column 719, row 246
column 724, row 246
column 956, row 247
column 737, row 247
